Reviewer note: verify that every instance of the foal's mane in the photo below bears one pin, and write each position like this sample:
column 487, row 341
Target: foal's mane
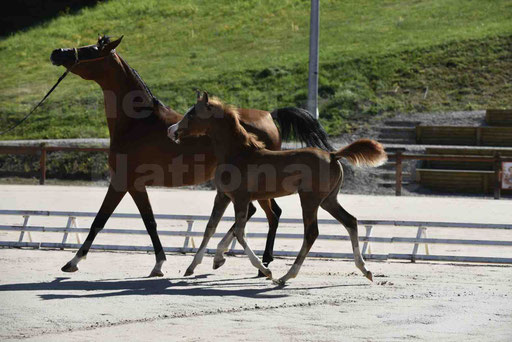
column 232, row 114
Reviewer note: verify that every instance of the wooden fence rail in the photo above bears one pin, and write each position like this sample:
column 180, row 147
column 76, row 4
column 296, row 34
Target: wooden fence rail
column 43, row 150
column 398, row 157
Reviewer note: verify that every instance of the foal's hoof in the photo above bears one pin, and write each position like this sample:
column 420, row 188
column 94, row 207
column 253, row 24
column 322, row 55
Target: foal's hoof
column 156, row 273
column 188, row 272
column 218, row 263
column 279, row 282
column 369, row 275
column 266, row 273
column 69, row 267
column 261, row 274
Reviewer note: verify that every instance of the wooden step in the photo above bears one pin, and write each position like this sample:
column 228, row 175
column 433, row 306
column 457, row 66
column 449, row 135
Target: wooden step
column 468, row 181
column 464, row 135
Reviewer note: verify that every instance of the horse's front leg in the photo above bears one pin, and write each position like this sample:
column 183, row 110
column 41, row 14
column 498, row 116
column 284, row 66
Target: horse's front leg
column 223, row 245
column 141, row 199
column 110, row 202
column 241, row 208
column 219, row 207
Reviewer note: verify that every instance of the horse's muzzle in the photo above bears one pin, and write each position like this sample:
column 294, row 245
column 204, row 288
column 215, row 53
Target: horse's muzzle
column 61, row 56
column 172, row 132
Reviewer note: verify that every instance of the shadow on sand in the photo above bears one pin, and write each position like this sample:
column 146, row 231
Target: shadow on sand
column 152, row 286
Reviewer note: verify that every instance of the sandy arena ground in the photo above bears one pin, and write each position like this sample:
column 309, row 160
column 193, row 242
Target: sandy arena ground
column 110, row 298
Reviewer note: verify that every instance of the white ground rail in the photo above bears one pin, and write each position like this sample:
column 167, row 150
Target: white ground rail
column 188, row 235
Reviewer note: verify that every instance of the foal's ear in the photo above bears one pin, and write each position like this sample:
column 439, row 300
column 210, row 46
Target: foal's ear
column 206, row 101
column 112, row 45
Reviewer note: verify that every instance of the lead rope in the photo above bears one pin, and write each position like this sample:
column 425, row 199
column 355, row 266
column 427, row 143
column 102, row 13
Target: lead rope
column 45, row 97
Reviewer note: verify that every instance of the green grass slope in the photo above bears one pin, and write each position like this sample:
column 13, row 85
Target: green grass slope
column 376, row 57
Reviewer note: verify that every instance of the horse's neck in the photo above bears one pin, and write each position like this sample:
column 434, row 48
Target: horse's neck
column 229, row 140
column 121, row 91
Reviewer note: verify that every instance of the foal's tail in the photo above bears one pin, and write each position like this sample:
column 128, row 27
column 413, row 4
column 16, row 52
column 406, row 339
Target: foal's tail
column 301, row 124
column 363, row 152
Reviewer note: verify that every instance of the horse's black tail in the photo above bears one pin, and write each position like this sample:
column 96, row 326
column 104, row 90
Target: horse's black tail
column 301, row 124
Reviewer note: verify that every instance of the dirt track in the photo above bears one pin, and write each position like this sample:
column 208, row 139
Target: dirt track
column 329, row 301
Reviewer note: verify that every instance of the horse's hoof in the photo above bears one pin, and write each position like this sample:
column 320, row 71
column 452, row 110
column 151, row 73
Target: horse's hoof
column 268, row 274
column 69, row 267
column 188, row 272
column 260, row 274
column 279, row 282
column 218, row 263
column 156, row 273
column 369, row 275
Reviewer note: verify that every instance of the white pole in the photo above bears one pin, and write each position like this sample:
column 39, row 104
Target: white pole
column 314, row 29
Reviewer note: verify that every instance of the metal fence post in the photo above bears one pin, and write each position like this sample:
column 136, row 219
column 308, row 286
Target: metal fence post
column 187, row 237
column 314, row 29
column 421, row 233
column 366, row 244
column 25, row 224
column 69, row 225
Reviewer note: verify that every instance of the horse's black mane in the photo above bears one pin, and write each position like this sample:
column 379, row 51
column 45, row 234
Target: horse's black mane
column 143, row 84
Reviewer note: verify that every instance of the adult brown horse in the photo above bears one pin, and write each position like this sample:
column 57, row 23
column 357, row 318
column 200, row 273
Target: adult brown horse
column 314, row 174
column 141, row 154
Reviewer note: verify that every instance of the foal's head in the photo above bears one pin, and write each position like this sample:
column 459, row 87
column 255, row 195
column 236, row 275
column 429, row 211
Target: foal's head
column 89, row 61
column 210, row 116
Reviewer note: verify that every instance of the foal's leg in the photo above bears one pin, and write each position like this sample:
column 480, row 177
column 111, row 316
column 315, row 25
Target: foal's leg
column 141, row 200
column 273, row 212
column 332, row 206
column 223, row 245
column 110, row 202
column 240, row 222
column 219, row 207
column 309, row 215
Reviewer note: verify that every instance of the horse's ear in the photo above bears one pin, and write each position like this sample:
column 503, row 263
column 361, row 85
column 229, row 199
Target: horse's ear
column 112, row 45
column 205, row 98
column 198, row 95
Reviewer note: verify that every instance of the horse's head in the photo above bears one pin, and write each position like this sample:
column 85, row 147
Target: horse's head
column 86, row 61
column 199, row 119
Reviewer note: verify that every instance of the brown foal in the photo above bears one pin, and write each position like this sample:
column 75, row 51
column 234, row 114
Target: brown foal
column 140, row 153
column 247, row 171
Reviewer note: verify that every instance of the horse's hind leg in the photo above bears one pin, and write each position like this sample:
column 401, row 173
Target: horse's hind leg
column 219, row 207
column 110, row 202
column 223, row 245
column 332, row 206
column 309, row 214
column 273, row 212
